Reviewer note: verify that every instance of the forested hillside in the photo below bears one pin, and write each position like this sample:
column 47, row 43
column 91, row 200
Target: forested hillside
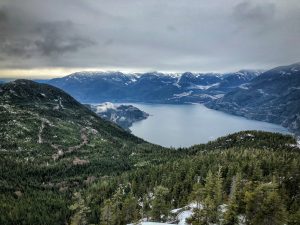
column 62, row 164
column 274, row 96
column 51, row 145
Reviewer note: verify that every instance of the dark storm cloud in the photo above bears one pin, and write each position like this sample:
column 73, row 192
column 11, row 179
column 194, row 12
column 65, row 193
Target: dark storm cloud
column 22, row 36
column 175, row 35
column 54, row 40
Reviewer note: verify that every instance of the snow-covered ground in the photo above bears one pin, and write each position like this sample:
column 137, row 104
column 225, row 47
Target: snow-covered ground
column 204, row 87
column 181, row 214
column 152, row 223
column 183, row 94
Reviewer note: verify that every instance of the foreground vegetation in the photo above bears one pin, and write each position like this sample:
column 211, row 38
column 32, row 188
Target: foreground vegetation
column 61, row 164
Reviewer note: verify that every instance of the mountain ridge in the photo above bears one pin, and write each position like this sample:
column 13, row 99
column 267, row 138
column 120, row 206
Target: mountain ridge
column 153, row 87
column 274, row 97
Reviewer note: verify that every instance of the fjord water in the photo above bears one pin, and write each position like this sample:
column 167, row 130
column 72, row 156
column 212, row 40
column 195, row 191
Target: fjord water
column 186, row 125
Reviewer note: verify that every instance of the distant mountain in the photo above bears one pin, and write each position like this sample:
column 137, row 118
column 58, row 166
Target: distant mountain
column 154, row 87
column 274, row 96
column 123, row 115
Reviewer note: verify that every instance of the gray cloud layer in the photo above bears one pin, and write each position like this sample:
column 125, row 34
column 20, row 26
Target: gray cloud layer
column 175, row 35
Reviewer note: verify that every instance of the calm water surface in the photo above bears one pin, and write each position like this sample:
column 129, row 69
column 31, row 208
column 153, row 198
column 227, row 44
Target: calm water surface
column 186, row 125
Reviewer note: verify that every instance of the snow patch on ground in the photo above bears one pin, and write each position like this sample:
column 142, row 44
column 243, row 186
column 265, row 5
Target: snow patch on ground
column 294, row 69
column 152, row 223
column 244, row 86
column 297, row 145
column 219, row 96
column 204, row 87
column 183, row 216
column 183, row 94
column 261, row 91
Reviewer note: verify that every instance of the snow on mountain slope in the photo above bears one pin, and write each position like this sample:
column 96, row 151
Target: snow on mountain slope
column 152, row 87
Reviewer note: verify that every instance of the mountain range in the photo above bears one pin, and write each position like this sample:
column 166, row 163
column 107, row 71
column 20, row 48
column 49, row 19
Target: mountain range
column 155, row 87
column 271, row 96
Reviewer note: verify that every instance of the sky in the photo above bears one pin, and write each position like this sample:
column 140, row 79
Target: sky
column 50, row 38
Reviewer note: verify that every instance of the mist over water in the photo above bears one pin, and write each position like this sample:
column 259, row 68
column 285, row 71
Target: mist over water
column 186, row 125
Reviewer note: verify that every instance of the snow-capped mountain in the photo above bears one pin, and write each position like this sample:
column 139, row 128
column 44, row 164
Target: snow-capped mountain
column 274, row 96
column 151, row 87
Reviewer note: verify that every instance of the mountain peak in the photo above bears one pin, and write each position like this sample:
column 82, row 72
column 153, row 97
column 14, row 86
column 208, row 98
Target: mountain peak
column 28, row 92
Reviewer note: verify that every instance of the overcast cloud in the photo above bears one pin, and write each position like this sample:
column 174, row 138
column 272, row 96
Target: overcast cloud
column 170, row 35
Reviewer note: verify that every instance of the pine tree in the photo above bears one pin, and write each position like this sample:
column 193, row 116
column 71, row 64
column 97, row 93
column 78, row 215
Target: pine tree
column 80, row 210
column 209, row 197
column 231, row 215
column 107, row 213
column 118, row 202
column 197, row 195
column 160, row 206
column 145, row 210
column 130, row 209
column 218, row 190
column 264, row 206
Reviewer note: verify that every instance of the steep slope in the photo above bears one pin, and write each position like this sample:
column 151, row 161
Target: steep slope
column 154, row 87
column 273, row 96
column 51, row 145
column 47, row 126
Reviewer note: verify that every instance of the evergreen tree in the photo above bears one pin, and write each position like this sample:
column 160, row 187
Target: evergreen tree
column 264, row 206
column 160, row 206
column 107, row 213
column 294, row 218
column 130, row 209
column 231, row 215
column 208, row 198
column 218, row 191
column 197, row 195
column 145, row 210
column 80, row 210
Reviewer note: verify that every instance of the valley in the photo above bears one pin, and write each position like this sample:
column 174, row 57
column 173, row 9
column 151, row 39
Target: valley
column 270, row 96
